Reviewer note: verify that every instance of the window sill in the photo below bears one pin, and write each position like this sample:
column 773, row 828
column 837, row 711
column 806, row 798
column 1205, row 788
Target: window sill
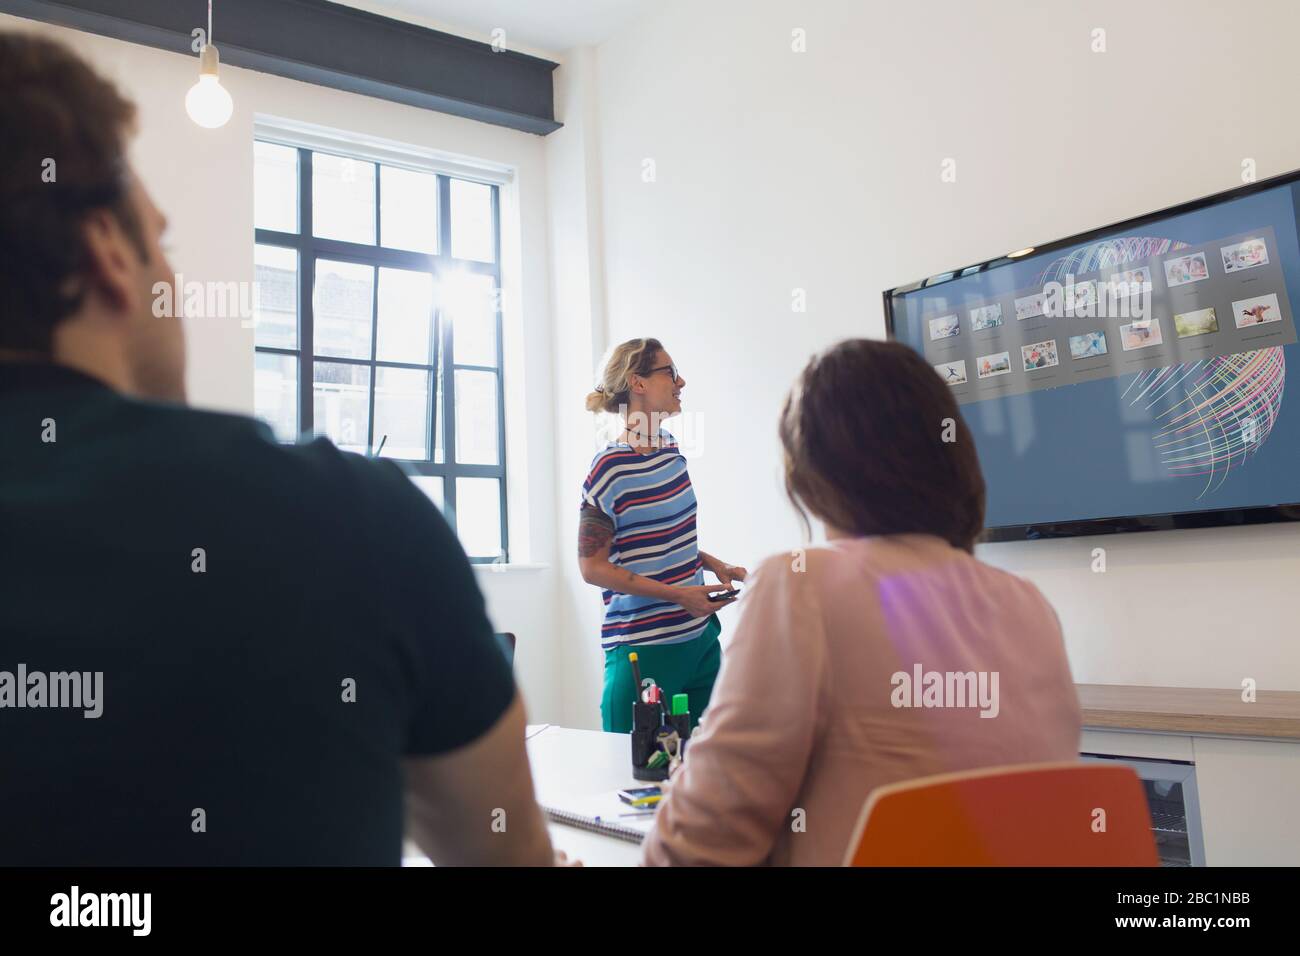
column 514, row 568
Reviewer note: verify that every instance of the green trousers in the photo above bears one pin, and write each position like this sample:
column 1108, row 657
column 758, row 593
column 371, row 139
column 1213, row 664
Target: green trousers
column 688, row 668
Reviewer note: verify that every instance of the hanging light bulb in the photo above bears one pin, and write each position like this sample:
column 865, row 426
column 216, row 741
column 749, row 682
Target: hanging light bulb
column 207, row 102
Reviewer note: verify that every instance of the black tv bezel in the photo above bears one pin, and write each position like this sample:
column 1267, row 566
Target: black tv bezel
column 1171, row 521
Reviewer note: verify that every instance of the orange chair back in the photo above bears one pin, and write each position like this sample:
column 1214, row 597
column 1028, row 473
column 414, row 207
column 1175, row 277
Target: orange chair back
column 1054, row 814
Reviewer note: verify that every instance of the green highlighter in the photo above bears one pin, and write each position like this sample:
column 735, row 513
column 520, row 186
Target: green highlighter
column 681, row 717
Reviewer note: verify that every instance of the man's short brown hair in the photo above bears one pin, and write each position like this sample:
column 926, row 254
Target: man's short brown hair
column 53, row 106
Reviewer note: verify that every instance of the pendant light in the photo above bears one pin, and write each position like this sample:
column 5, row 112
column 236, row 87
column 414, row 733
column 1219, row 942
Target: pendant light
column 207, row 102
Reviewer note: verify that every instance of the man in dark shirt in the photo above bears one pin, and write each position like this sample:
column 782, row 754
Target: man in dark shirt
column 213, row 649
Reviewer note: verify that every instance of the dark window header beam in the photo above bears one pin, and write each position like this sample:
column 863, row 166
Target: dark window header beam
column 334, row 46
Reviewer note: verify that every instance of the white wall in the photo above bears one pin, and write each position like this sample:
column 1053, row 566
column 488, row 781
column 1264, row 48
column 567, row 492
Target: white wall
column 578, row 303
column 203, row 180
column 778, row 170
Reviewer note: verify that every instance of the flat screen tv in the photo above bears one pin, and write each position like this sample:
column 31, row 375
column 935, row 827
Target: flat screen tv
column 1130, row 378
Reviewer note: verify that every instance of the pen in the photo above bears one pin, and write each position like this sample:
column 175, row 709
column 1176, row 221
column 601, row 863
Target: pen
column 636, row 673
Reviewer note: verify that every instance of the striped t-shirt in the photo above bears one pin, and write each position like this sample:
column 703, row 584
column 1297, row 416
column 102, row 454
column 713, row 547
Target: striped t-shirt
column 650, row 500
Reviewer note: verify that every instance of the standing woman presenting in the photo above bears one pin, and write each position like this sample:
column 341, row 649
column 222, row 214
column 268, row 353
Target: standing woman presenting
column 636, row 541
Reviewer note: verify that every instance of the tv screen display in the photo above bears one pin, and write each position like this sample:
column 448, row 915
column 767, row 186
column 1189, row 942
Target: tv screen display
column 1130, row 378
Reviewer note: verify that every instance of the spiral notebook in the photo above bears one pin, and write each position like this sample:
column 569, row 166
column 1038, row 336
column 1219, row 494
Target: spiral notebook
column 602, row 813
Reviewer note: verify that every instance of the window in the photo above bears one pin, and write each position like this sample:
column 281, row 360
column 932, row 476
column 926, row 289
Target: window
column 378, row 323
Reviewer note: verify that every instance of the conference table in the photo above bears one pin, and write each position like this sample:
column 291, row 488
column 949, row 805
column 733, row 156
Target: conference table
column 570, row 765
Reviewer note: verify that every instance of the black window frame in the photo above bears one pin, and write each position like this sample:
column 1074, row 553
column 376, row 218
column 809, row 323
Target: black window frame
column 443, row 366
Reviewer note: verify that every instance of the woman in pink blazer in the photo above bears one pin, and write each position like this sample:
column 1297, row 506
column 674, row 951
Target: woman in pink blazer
column 886, row 654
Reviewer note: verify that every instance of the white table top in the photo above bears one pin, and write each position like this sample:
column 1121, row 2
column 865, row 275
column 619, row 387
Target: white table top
column 571, row 764
column 580, row 763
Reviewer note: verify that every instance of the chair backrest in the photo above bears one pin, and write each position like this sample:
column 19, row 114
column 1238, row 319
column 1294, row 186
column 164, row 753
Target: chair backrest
column 507, row 642
column 1052, row 814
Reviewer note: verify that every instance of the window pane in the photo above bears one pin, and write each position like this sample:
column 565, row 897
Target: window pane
column 405, row 316
column 275, row 270
column 476, row 418
column 471, row 221
column 478, row 516
column 470, row 300
column 431, row 485
column 343, row 198
column 275, row 187
column 341, row 404
column 402, row 412
column 408, row 209
column 342, row 299
column 275, row 393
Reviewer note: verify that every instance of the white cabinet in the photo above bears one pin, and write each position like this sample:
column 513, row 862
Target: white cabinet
column 1240, row 795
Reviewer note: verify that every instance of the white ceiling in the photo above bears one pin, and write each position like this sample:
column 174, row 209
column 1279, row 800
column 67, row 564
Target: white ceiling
column 532, row 26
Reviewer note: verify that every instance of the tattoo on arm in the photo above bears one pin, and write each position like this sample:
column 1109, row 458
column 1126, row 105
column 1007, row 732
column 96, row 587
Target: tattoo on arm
column 595, row 531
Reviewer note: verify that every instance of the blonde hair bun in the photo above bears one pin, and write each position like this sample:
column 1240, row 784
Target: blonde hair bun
column 635, row 356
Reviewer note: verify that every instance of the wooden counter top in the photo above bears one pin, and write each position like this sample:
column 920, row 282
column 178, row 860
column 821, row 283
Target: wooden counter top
column 1190, row 710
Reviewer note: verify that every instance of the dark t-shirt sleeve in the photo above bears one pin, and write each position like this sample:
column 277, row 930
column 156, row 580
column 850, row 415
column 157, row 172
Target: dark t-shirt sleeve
column 461, row 680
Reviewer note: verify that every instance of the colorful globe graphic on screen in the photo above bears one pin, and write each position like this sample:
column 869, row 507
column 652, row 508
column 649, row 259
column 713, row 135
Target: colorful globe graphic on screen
column 1212, row 415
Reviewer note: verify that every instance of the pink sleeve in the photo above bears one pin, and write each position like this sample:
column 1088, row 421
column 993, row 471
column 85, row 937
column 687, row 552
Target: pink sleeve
column 745, row 766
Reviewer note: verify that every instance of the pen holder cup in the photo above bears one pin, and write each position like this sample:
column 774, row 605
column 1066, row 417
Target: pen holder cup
column 646, row 721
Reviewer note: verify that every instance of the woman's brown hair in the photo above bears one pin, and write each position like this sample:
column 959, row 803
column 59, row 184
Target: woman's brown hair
column 875, row 444
column 635, row 356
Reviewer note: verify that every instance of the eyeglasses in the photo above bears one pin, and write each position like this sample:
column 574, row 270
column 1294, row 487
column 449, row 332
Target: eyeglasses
column 664, row 368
